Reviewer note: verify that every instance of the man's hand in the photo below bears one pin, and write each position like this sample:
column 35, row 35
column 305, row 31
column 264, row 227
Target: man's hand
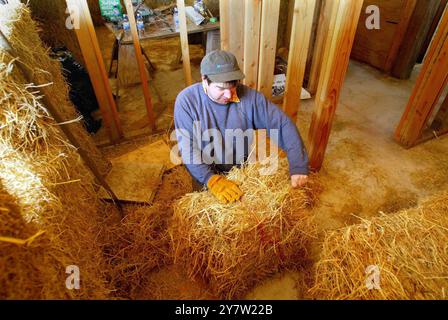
column 223, row 189
column 298, row 180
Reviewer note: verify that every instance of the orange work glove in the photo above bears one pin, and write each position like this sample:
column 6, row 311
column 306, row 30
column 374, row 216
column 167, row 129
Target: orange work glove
column 223, row 189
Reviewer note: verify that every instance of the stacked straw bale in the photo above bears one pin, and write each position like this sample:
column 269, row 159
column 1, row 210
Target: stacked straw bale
column 21, row 31
column 232, row 247
column 50, row 213
column 408, row 248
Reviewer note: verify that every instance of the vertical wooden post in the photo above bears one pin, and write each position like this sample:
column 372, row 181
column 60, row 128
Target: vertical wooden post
column 268, row 42
column 335, row 62
column 91, row 52
column 405, row 19
column 236, row 30
column 224, row 23
column 184, row 42
column 252, row 19
column 323, row 34
column 428, row 88
column 298, row 53
column 141, row 64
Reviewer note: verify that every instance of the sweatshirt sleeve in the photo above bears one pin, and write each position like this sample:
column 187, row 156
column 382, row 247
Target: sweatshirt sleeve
column 268, row 116
column 188, row 144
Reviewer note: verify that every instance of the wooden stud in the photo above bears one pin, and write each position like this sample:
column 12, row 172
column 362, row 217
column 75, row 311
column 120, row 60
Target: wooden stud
column 428, row 88
column 323, row 33
column 91, row 52
column 414, row 38
column 268, row 42
column 224, row 23
column 236, row 30
column 298, row 53
column 184, row 42
column 252, row 42
column 343, row 24
column 405, row 19
column 141, row 64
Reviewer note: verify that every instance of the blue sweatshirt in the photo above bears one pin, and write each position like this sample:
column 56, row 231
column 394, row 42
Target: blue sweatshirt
column 199, row 120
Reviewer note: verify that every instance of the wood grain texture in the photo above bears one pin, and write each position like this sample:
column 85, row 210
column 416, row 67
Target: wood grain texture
column 184, row 42
column 298, row 53
column 252, row 22
column 428, row 88
column 343, row 24
column 90, row 49
column 141, row 65
column 268, row 44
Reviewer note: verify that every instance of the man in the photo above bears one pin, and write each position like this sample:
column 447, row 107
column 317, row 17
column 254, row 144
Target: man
column 210, row 116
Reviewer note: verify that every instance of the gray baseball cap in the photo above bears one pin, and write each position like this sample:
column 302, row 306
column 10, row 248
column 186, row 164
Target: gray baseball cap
column 221, row 66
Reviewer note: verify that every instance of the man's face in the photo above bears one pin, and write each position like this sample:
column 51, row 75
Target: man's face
column 220, row 92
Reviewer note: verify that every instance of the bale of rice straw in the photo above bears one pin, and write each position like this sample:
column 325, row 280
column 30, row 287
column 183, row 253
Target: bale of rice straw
column 21, row 31
column 51, row 215
column 396, row 256
column 232, row 247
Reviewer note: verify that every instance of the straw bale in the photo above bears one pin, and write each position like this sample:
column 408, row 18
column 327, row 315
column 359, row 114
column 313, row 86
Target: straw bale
column 21, row 31
column 409, row 249
column 232, row 247
column 52, row 192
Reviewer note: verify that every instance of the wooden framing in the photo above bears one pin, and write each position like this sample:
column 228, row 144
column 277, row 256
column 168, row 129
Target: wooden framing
column 343, row 23
column 428, row 88
column 298, row 54
column 268, row 43
column 236, row 29
column 224, row 6
column 252, row 22
column 90, row 49
column 141, row 64
column 405, row 19
column 414, row 38
column 184, row 42
column 319, row 46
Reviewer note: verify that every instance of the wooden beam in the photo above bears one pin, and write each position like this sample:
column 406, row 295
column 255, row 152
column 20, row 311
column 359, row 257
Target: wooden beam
column 414, row 38
column 343, row 24
column 252, row 42
column 428, row 88
column 323, row 33
column 184, row 42
column 224, row 23
column 91, row 52
column 432, row 30
column 141, row 64
column 403, row 26
column 268, row 44
column 236, row 30
column 298, row 53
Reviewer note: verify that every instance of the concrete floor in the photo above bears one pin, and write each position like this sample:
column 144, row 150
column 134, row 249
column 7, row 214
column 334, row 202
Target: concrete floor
column 365, row 171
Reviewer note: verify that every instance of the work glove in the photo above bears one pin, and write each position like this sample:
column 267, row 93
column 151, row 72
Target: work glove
column 224, row 190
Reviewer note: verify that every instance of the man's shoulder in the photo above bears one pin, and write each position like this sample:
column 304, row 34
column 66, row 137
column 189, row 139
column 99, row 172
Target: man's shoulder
column 189, row 92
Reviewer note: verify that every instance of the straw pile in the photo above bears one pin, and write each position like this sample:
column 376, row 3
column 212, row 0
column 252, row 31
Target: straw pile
column 21, row 31
column 234, row 246
column 139, row 244
column 409, row 249
column 50, row 214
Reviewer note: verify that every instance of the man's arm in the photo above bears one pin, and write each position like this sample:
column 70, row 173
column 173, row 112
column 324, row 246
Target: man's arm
column 188, row 144
column 268, row 116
